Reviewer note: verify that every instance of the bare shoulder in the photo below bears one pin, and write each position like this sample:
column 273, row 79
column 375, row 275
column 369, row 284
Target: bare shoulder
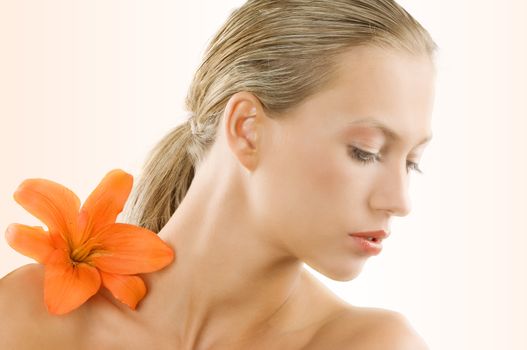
column 368, row 329
column 19, row 308
column 25, row 321
column 387, row 329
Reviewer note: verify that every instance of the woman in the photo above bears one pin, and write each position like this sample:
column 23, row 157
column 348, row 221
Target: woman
column 307, row 119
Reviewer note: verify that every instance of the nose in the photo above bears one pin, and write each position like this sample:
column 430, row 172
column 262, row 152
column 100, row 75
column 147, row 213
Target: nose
column 391, row 193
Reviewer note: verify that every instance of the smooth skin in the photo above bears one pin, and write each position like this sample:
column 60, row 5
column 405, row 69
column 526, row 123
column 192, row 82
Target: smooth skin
column 272, row 194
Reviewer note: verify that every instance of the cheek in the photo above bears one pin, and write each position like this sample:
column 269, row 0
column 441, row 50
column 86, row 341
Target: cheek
column 306, row 190
column 325, row 170
column 328, row 179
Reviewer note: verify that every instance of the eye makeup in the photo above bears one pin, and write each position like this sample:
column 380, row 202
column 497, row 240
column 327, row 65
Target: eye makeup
column 365, row 157
column 389, row 133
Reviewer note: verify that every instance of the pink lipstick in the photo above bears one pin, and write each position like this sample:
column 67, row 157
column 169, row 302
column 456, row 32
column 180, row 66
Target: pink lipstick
column 369, row 242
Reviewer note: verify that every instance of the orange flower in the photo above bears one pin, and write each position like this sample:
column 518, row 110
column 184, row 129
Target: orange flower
column 84, row 248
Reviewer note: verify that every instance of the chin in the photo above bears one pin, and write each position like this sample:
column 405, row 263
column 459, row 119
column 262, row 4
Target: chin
column 345, row 277
column 345, row 272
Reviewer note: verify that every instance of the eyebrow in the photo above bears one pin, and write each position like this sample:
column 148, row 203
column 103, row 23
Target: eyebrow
column 386, row 130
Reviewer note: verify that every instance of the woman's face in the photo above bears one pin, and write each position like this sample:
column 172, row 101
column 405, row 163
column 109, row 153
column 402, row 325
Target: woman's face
column 312, row 186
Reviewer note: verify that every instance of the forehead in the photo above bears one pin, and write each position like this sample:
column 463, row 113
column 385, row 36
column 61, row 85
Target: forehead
column 384, row 90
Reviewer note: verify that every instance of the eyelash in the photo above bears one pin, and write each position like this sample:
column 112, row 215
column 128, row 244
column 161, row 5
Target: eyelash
column 358, row 154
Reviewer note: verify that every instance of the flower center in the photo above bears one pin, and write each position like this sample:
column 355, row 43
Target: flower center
column 83, row 252
column 79, row 254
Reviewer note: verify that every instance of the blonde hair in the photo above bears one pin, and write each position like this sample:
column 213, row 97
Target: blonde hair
column 282, row 51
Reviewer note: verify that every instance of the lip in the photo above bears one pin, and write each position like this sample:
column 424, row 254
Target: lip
column 360, row 240
column 378, row 234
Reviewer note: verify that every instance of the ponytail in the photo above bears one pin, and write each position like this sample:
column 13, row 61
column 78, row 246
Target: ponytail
column 165, row 179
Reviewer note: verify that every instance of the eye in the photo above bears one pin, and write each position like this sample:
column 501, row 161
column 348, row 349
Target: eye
column 365, row 157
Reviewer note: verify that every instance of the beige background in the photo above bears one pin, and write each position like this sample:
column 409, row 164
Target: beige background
column 88, row 86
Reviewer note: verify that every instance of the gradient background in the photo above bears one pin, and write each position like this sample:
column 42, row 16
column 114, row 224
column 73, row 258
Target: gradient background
column 88, row 86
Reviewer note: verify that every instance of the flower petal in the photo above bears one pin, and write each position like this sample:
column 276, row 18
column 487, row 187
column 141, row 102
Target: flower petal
column 128, row 289
column 105, row 202
column 67, row 286
column 55, row 205
column 32, row 241
column 126, row 249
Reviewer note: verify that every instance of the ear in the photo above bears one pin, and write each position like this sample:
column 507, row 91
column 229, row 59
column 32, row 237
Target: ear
column 242, row 125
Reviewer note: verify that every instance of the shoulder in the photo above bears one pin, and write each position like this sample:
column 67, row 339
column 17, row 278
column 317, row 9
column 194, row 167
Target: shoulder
column 391, row 330
column 19, row 289
column 368, row 328
column 19, row 308
column 25, row 321
column 382, row 329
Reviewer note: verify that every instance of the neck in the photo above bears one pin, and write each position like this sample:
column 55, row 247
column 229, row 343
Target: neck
column 227, row 274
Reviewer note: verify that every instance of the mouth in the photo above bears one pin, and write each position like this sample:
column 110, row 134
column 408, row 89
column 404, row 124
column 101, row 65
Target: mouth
column 367, row 245
column 372, row 236
column 369, row 242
